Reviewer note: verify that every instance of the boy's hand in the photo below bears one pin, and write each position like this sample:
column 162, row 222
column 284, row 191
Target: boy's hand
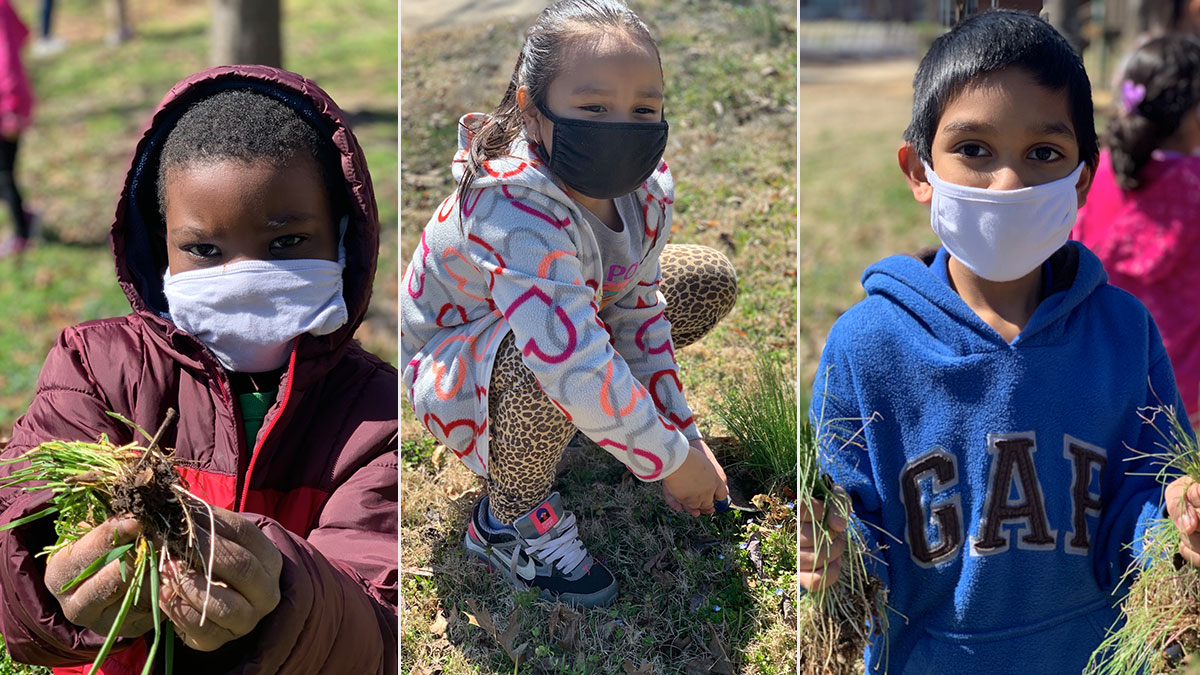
column 245, row 587
column 820, row 562
column 94, row 602
column 699, row 482
column 1183, row 507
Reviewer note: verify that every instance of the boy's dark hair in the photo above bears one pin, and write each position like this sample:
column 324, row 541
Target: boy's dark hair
column 244, row 125
column 1161, row 86
column 988, row 42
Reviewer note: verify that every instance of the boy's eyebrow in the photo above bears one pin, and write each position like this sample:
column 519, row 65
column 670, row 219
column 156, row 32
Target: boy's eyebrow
column 1046, row 129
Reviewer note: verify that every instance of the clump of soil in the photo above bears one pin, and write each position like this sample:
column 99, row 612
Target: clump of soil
column 834, row 626
column 150, row 490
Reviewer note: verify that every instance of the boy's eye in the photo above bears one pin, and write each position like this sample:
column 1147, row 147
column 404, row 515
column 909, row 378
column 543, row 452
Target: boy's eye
column 1044, row 154
column 645, row 111
column 594, row 108
column 286, row 241
column 972, row 150
column 202, row 250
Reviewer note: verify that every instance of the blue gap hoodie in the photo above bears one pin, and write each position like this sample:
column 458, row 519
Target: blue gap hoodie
column 1004, row 472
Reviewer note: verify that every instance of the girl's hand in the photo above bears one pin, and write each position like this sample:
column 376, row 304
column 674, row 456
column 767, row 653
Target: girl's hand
column 699, row 482
column 94, row 602
column 245, row 587
column 820, row 562
column 1183, row 507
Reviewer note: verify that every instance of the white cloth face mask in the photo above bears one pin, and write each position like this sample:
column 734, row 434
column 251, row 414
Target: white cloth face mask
column 1002, row 235
column 249, row 312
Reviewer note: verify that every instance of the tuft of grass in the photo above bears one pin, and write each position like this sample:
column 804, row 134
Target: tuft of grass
column 1160, row 616
column 836, row 622
column 761, row 414
column 92, row 482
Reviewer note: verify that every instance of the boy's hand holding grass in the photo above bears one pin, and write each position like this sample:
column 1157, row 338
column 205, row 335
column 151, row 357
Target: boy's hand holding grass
column 95, row 602
column 245, row 588
column 1183, row 507
column 698, row 483
column 820, row 558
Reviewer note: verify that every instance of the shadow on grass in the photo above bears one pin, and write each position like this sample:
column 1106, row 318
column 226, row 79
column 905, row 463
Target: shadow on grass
column 686, row 601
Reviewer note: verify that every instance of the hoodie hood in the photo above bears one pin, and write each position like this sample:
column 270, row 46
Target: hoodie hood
column 136, row 237
column 920, row 287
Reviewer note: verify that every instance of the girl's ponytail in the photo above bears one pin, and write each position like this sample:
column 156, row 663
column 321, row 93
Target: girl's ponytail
column 1161, row 86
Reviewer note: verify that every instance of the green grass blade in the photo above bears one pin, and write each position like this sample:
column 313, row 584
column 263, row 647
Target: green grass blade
column 30, row 518
column 169, row 648
column 155, row 611
column 130, row 423
column 135, row 588
column 96, row 565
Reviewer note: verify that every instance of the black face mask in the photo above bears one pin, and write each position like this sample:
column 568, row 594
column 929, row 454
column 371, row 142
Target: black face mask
column 604, row 159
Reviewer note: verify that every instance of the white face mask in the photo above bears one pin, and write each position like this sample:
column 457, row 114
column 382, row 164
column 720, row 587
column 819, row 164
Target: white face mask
column 1002, row 235
column 249, row 312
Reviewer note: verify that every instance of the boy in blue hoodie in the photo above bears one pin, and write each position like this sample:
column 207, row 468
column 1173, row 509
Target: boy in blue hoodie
column 1005, row 378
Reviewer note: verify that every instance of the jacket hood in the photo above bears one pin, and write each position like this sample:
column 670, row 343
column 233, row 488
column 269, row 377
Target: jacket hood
column 918, row 286
column 136, row 236
column 513, row 168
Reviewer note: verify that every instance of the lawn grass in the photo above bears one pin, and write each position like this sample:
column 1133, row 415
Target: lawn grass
column 92, row 104
column 730, row 70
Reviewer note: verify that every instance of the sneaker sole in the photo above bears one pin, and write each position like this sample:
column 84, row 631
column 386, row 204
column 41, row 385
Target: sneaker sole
column 601, row 598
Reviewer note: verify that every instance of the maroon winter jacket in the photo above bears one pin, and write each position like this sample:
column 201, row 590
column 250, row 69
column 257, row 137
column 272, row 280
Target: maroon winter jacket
column 321, row 481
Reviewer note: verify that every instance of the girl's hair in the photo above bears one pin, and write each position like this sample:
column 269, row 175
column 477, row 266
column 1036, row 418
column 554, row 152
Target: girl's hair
column 1159, row 17
column 1161, row 85
column 540, row 61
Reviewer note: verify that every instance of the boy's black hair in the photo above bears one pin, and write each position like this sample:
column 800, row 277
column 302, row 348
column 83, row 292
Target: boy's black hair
column 245, row 125
column 988, row 42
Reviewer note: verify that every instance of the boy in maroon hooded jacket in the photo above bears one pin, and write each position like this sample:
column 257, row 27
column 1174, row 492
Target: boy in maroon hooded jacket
column 246, row 241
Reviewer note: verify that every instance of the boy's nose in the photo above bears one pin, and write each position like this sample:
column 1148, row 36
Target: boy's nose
column 1007, row 178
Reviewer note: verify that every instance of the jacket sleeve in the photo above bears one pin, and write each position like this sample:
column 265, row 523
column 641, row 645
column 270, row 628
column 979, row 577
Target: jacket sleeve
column 641, row 333
column 537, row 282
column 338, row 589
column 1135, row 495
column 66, row 406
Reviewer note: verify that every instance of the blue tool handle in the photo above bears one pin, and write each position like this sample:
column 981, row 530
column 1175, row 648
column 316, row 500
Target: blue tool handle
column 722, row 505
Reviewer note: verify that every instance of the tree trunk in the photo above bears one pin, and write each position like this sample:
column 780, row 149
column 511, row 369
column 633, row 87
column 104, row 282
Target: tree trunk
column 245, row 32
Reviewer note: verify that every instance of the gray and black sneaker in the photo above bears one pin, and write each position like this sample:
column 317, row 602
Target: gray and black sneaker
column 542, row 550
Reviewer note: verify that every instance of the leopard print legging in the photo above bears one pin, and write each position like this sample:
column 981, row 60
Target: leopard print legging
column 528, row 432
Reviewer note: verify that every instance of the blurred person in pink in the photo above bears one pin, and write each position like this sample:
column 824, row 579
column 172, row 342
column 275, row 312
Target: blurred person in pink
column 1142, row 217
column 16, row 107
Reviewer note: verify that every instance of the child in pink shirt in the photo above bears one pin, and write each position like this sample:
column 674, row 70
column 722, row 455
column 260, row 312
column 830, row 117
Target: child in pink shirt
column 1142, row 217
column 16, row 107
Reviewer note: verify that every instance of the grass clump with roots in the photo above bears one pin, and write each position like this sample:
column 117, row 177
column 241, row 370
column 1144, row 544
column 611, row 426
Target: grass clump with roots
column 92, row 482
column 835, row 623
column 1160, row 620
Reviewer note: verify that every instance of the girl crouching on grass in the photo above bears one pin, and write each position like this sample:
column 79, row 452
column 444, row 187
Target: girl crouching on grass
column 543, row 297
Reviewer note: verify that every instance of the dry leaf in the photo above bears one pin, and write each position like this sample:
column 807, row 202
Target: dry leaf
column 439, row 625
column 481, row 618
column 717, row 649
column 699, row 666
column 644, row 669
column 754, row 550
column 417, row 571
column 653, row 563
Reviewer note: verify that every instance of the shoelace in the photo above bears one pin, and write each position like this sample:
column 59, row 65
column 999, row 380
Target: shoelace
column 564, row 550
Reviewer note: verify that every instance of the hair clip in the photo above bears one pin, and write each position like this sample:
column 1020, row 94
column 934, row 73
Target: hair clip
column 1132, row 95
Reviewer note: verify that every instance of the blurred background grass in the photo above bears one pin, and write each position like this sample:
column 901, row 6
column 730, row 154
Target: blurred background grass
column 92, row 103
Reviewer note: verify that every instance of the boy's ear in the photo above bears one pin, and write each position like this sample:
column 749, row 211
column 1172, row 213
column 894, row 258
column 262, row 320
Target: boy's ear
column 914, row 172
column 529, row 113
column 1084, row 183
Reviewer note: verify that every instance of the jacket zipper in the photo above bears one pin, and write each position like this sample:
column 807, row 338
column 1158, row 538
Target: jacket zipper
column 240, row 501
